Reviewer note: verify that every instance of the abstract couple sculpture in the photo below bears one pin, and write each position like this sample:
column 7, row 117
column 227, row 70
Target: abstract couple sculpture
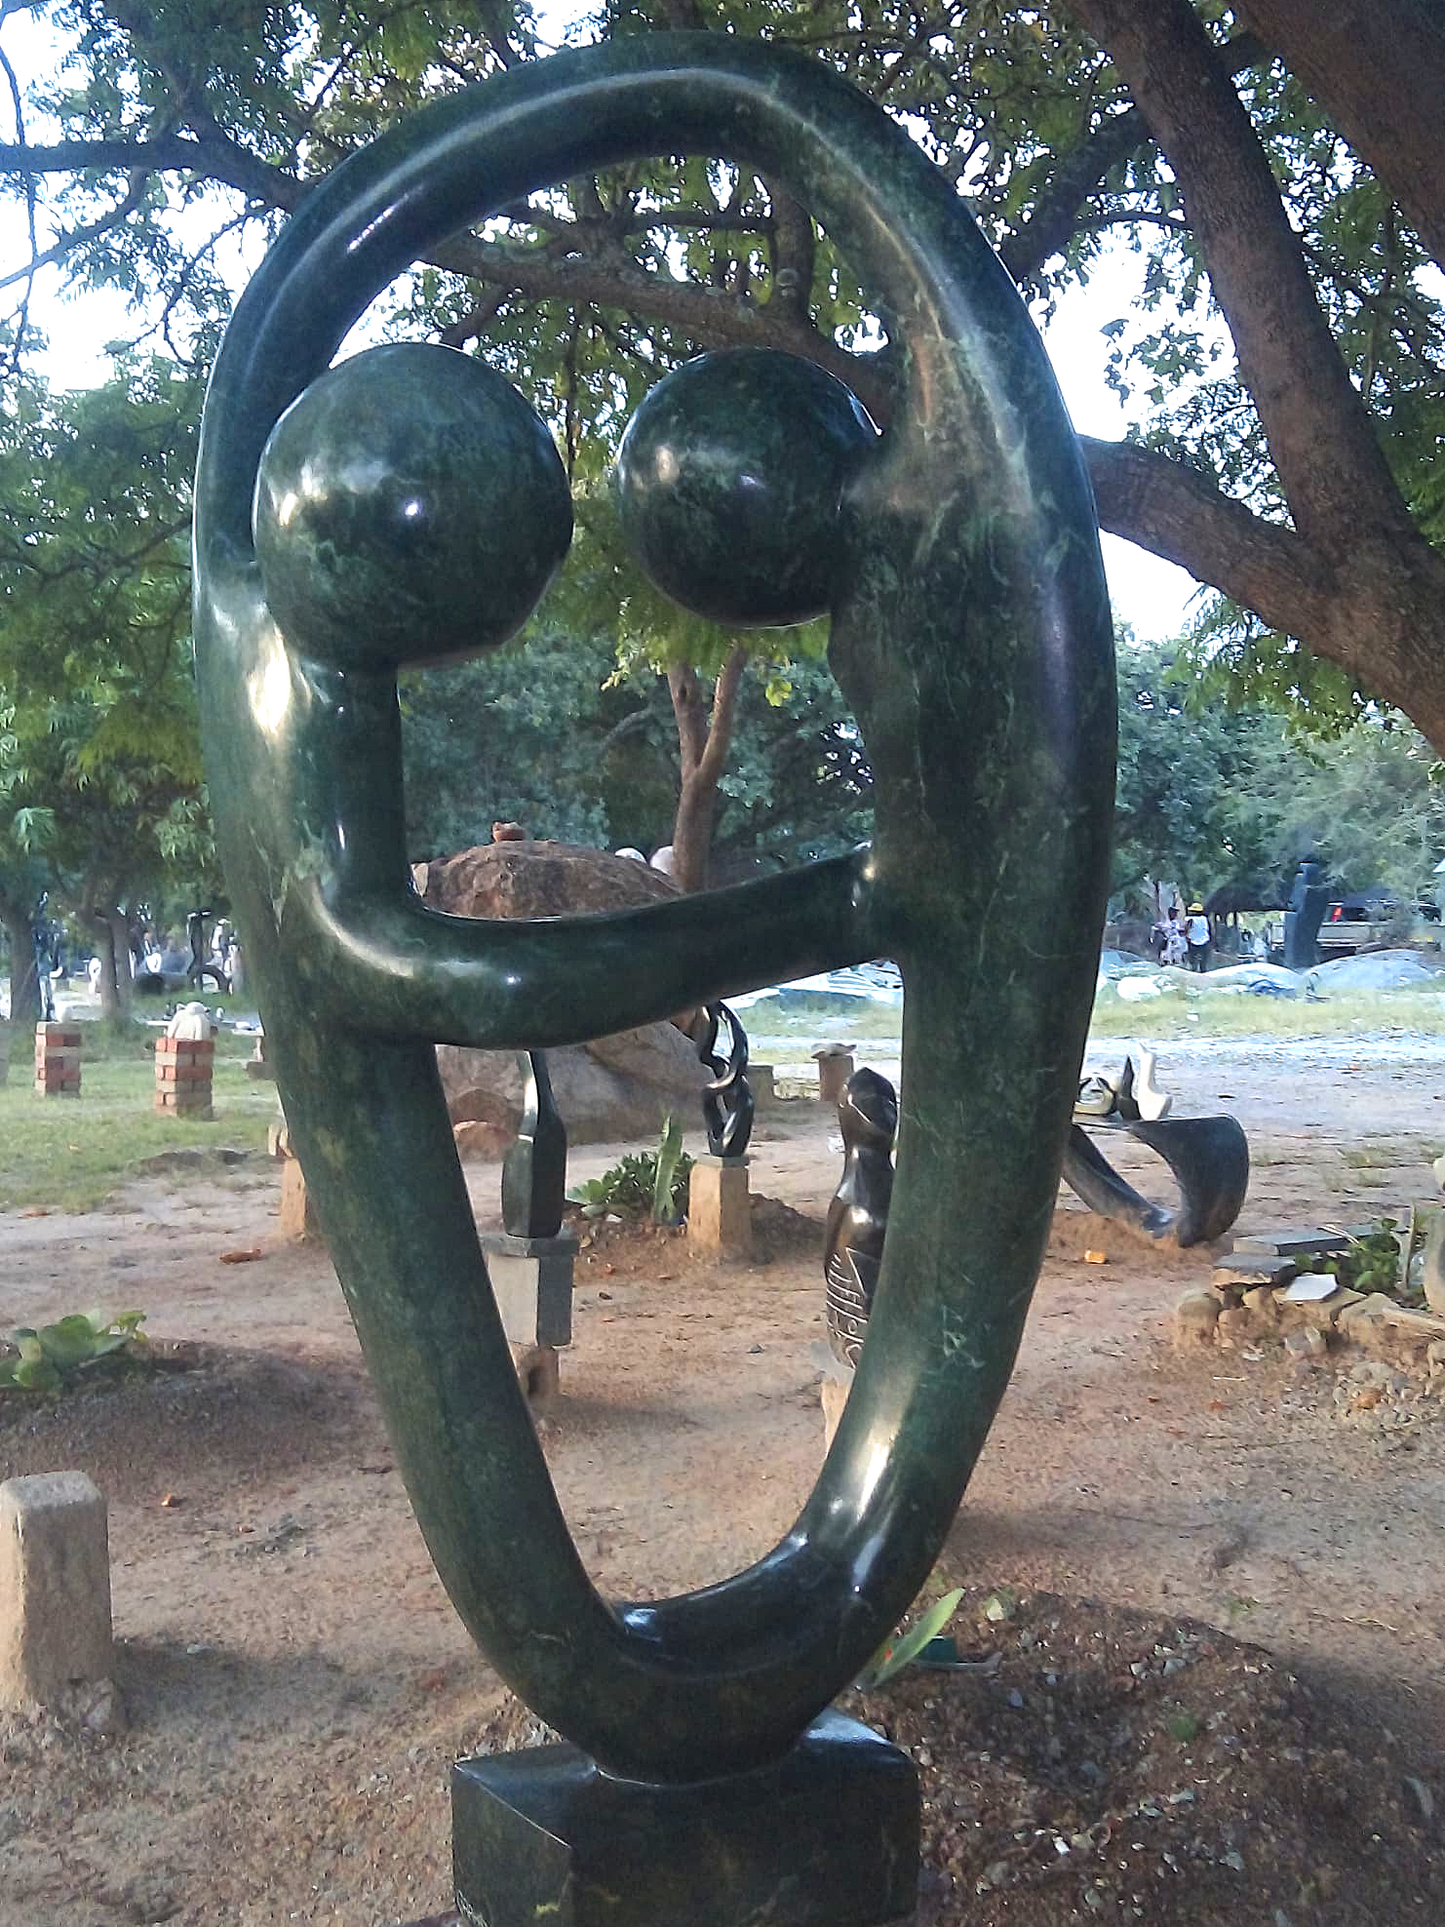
column 410, row 508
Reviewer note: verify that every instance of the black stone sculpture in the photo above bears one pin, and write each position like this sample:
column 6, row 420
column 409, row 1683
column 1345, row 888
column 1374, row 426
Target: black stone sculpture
column 858, row 1212
column 201, row 966
column 1207, row 1156
column 534, row 1171
column 45, row 939
column 407, row 506
column 727, row 1102
column 1307, row 904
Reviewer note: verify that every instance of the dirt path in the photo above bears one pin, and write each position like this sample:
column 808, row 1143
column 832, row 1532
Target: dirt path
column 297, row 1681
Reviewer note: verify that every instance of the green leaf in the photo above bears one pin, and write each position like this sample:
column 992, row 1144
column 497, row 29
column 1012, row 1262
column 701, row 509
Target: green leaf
column 36, row 1375
column 669, row 1152
column 69, row 1342
column 895, row 1654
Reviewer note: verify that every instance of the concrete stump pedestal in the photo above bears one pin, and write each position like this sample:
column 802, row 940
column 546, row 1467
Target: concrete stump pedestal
column 835, row 1067
column 57, row 1060
column 55, row 1630
column 719, row 1210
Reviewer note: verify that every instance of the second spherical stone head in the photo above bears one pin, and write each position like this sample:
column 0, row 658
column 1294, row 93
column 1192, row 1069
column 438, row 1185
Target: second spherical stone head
column 410, row 507
column 729, row 480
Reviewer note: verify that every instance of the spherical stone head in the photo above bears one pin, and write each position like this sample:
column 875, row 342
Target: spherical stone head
column 728, row 483
column 410, row 507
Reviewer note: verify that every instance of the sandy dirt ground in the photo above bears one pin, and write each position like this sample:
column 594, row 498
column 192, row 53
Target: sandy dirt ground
column 296, row 1682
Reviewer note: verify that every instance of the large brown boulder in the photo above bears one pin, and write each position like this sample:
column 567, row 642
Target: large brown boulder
column 614, row 1087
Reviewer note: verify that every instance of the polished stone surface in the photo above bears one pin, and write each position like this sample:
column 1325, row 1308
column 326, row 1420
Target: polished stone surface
column 1208, row 1158
column 728, row 1107
column 410, row 507
column 971, row 637
column 534, row 1170
column 730, row 480
column 826, row 1838
column 857, row 1223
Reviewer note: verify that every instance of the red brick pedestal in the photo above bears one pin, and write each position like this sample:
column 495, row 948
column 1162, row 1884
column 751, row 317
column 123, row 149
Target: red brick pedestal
column 57, row 1060
column 184, row 1068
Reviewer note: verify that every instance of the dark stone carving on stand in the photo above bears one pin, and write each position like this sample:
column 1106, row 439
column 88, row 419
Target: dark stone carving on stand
column 201, row 966
column 45, row 937
column 727, row 1102
column 1307, row 904
column 1209, row 1159
column 858, row 1212
column 534, row 1171
column 407, row 507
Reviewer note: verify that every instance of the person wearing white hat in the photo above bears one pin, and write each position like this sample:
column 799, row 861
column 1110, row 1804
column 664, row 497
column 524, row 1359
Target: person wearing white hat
column 1197, row 934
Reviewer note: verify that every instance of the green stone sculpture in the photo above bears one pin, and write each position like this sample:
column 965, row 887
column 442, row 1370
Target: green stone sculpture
column 408, row 509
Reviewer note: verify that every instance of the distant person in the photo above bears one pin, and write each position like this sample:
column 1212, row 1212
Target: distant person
column 1176, row 947
column 1197, row 935
column 1159, row 937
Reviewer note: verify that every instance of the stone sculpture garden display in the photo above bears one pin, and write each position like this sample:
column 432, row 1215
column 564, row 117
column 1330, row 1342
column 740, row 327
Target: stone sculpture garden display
column 409, row 507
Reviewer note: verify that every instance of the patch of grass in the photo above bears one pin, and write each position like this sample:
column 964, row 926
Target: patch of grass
column 69, row 1154
column 1413, row 1008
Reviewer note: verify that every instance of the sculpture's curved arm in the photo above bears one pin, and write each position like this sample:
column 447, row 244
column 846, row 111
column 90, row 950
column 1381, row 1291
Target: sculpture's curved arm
column 971, row 637
column 405, row 970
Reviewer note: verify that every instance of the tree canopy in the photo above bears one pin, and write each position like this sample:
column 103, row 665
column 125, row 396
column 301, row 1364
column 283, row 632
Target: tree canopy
column 100, row 769
column 1274, row 163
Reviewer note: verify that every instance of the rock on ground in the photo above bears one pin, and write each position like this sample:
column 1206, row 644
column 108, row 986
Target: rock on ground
column 613, row 1087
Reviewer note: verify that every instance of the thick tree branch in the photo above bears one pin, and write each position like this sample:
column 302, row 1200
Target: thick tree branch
column 713, row 760
column 709, row 315
column 1177, row 513
column 1287, row 356
column 1055, row 218
column 1379, row 72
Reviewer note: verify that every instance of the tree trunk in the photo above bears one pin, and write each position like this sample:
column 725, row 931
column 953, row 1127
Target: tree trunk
column 1379, row 73
column 1353, row 579
column 704, row 738
column 24, row 989
column 113, row 927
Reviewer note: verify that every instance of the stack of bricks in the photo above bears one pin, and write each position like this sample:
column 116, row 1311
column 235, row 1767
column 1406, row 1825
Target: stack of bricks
column 184, row 1066
column 57, row 1060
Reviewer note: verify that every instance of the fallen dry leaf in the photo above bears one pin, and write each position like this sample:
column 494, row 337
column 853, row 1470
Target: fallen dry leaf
column 242, row 1257
column 1096, row 1257
column 170, row 1500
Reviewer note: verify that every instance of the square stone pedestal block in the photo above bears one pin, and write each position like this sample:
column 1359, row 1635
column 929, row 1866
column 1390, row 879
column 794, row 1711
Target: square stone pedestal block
column 532, row 1284
column 719, row 1210
column 298, row 1214
column 826, row 1838
column 54, row 1587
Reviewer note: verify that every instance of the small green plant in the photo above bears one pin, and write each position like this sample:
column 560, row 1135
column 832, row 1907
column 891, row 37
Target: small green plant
column 51, row 1358
column 642, row 1183
column 1372, row 1262
column 669, row 1198
column 1183, row 1727
column 900, row 1651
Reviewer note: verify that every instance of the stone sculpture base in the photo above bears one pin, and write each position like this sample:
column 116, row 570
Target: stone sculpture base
column 826, row 1838
column 532, row 1284
column 54, row 1587
column 719, row 1210
column 298, row 1214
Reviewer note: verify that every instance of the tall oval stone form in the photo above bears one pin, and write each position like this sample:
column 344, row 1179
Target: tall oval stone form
column 971, row 636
